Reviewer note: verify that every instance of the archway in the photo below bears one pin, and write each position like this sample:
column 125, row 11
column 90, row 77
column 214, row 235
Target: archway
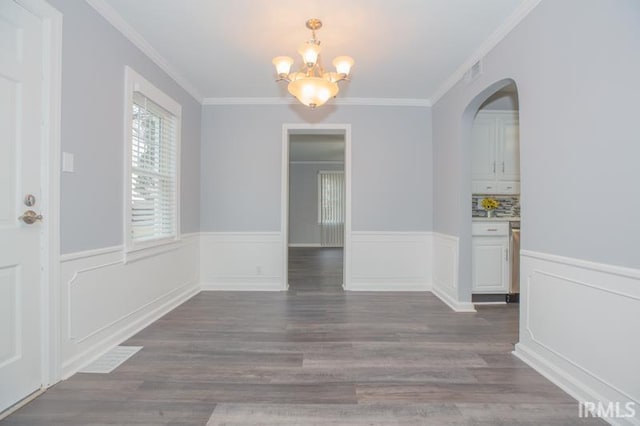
column 465, row 266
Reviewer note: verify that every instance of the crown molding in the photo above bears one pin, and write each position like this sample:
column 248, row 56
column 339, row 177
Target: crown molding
column 118, row 22
column 492, row 41
column 400, row 102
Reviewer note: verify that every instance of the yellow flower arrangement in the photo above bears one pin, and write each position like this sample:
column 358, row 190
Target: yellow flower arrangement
column 490, row 203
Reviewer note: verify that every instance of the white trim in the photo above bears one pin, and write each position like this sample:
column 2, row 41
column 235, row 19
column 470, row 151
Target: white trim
column 68, row 257
column 242, row 234
column 302, row 245
column 584, row 264
column 389, row 284
column 453, row 304
column 374, row 234
column 607, row 309
column 189, row 235
column 243, row 284
column 399, row 102
column 284, row 196
column 492, row 41
column 119, row 23
column 576, row 389
column 50, row 175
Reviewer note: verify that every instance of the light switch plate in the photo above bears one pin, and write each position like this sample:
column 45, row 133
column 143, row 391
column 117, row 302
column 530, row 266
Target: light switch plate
column 67, row 162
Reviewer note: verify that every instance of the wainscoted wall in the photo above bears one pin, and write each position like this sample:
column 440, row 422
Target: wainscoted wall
column 380, row 261
column 579, row 327
column 390, row 261
column 445, row 272
column 105, row 298
column 241, row 261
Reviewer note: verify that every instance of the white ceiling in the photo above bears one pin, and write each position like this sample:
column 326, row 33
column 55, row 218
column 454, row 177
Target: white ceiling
column 403, row 49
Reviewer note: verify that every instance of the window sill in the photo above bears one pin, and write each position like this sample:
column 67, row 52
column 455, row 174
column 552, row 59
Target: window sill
column 147, row 249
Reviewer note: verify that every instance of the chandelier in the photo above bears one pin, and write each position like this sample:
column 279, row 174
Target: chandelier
column 312, row 85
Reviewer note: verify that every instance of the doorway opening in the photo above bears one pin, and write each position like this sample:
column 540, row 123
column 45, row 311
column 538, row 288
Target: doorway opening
column 316, row 207
column 495, row 197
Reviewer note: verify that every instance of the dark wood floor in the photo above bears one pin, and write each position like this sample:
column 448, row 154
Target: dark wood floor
column 314, row 356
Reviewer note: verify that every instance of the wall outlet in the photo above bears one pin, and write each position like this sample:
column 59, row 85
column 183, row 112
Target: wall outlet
column 258, row 270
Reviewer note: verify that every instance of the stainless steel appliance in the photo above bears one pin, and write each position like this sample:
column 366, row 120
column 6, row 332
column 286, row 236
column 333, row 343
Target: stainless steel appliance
column 514, row 249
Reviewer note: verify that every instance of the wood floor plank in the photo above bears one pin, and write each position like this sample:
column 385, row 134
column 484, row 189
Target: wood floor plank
column 314, row 355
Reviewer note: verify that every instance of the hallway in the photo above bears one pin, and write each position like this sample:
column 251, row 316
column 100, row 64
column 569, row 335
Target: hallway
column 314, row 355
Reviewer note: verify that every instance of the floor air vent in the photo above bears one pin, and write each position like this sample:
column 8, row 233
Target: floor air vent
column 111, row 360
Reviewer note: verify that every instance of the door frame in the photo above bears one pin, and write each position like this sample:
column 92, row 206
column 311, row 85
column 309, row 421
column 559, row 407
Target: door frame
column 51, row 20
column 287, row 130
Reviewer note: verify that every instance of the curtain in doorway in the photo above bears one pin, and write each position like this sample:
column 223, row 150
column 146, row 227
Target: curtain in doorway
column 331, row 207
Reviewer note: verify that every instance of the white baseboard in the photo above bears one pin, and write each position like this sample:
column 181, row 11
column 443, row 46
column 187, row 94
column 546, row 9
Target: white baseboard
column 452, row 303
column 389, row 285
column 302, row 245
column 578, row 327
column 244, row 285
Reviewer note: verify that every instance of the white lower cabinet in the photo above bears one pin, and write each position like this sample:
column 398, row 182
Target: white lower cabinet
column 490, row 259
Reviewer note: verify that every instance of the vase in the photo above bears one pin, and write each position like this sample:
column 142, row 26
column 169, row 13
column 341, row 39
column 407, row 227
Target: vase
column 491, row 213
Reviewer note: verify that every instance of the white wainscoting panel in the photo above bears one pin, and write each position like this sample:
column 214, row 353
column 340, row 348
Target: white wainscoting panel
column 241, row 261
column 580, row 327
column 390, row 261
column 105, row 300
column 445, row 272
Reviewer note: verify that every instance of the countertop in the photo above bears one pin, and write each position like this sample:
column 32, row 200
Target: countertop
column 496, row 219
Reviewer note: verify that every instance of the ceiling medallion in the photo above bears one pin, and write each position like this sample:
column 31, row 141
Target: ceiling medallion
column 312, row 85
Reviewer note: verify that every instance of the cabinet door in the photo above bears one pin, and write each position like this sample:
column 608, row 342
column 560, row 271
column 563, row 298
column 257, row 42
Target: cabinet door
column 483, row 149
column 490, row 264
column 509, row 149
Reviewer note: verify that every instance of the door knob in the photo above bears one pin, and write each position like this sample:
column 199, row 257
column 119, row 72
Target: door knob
column 30, row 217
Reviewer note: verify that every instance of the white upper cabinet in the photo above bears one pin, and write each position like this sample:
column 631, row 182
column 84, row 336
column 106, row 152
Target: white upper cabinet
column 496, row 153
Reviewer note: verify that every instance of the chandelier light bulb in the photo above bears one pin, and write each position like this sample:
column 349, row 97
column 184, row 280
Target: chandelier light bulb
column 283, row 65
column 310, row 52
column 343, row 64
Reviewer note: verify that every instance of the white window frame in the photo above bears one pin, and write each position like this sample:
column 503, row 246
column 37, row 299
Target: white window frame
column 134, row 82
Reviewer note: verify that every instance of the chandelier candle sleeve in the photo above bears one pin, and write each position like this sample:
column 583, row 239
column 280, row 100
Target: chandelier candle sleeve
column 311, row 84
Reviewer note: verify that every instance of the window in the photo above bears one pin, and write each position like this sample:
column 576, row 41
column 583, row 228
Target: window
column 331, row 208
column 152, row 135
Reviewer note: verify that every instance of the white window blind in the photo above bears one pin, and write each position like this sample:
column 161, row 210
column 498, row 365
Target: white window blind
column 331, row 207
column 153, row 171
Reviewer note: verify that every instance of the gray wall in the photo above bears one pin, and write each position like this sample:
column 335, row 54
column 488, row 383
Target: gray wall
column 241, row 165
column 93, row 59
column 303, row 202
column 576, row 66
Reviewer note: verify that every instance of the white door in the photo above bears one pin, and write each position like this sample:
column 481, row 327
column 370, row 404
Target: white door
column 20, row 168
column 490, row 264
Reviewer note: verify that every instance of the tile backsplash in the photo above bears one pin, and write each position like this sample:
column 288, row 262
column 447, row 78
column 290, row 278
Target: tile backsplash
column 509, row 205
